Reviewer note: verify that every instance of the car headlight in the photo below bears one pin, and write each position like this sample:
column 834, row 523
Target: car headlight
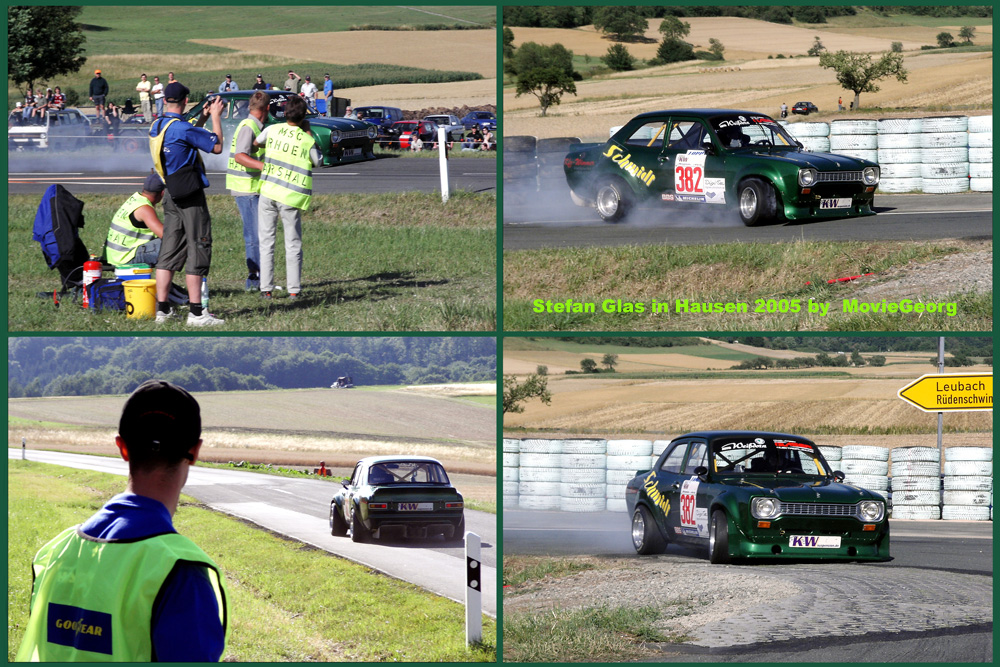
column 807, row 177
column 334, row 136
column 372, row 131
column 765, row 508
column 870, row 175
column 871, row 510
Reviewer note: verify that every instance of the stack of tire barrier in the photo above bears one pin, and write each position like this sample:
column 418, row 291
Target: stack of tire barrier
column 519, row 167
column 856, row 138
column 981, row 153
column 833, row 456
column 813, row 136
column 866, row 466
column 550, row 154
column 625, row 458
column 968, row 484
column 944, row 154
column 540, row 474
column 916, row 483
column 582, row 480
column 899, row 154
column 511, row 471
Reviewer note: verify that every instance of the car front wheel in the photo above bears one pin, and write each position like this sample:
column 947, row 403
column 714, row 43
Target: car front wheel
column 613, row 201
column 646, row 536
column 718, row 538
column 757, row 201
column 338, row 527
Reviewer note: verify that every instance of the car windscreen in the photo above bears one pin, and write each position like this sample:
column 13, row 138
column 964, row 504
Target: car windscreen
column 757, row 454
column 743, row 130
column 407, row 472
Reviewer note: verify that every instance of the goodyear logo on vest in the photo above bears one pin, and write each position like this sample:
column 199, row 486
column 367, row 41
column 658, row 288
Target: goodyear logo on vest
column 82, row 629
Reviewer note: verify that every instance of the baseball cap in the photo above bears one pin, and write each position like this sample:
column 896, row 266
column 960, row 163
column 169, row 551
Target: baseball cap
column 308, row 78
column 260, row 76
column 160, row 419
column 175, row 92
column 97, row 71
column 153, row 183
column 229, row 76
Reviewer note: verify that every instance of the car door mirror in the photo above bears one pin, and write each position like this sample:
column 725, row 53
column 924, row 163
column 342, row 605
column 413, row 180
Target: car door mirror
column 799, row 144
column 346, row 483
column 838, row 476
column 709, row 149
column 702, row 473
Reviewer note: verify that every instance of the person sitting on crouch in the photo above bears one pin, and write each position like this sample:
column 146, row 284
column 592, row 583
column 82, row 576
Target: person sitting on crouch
column 135, row 232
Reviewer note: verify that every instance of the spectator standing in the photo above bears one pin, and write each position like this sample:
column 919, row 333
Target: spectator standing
column 187, row 226
column 143, row 89
column 292, row 82
column 135, row 232
column 125, row 574
column 112, row 119
column 840, row 103
column 290, row 153
column 309, row 91
column 259, row 84
column 243, row 180
column 170, row 78
column 228, row 84
column 328, row 94
column 98, row 92
column 157, row 91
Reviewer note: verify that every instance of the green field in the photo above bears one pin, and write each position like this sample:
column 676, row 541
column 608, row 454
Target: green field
column 287, row 602
column 370, row 264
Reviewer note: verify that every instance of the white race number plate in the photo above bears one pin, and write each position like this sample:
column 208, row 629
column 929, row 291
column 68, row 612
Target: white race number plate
column 351, row 152
column 814, row 541
column 419, row 507
column 835, row 203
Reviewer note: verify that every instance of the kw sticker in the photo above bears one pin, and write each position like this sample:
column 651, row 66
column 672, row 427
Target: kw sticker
column 654, row 494
column 631, row 168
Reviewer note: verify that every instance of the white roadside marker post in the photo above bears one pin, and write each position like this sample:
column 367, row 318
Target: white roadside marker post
column 443, row 162
column 24, row 445
column 473, row 590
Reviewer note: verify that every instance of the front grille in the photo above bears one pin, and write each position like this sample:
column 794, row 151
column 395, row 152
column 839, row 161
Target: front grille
column 354, row 134
column 838, row 176
column 818, row 509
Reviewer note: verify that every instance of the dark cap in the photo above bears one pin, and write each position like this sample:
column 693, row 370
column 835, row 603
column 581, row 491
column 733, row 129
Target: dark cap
column 260, row 76
column 153, row 183
column 160, row 421
column 176, row 92
column 229, row 76
column 308, row 78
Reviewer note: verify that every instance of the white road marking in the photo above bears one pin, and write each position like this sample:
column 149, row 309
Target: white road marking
column 975, row 210
column 45, row 173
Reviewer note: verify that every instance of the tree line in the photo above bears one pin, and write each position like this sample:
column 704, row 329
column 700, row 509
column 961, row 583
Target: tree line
column 39, row 366
column 974, row 346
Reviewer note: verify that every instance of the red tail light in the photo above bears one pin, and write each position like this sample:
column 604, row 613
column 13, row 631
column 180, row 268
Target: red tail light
column 454, row 506
column 378, row 506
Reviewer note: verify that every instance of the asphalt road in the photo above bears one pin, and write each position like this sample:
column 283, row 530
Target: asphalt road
column 299, row 509
column 940, row 556
column 550, row 220
column 31, row 173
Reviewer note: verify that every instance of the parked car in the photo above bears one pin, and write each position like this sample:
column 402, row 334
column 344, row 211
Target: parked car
column 486, row 120
column 380, row 117
column 407, row 495
column 63, row 129
column 338, row 139
column 750, row 494
column 804, row 108
column 717, row 157
column 401, row 133
column 451, row 123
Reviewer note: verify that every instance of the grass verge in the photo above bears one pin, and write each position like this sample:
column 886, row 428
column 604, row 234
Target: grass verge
column 403, row 262
column 304, row 601
column 722, row 274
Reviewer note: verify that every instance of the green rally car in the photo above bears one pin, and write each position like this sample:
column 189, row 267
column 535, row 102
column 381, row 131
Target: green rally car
column 746, row 494
column 717, row 158
column 339, row 139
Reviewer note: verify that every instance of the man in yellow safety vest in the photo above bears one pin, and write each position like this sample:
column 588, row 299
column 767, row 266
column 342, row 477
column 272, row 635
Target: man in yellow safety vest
column 136, row 230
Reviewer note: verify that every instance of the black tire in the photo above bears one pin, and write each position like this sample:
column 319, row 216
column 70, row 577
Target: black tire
column 718, row 538
column 613, row 200
column 338, row 526
column 646, row 537
column 358, row 531
column 459, row 533
column 756, row 202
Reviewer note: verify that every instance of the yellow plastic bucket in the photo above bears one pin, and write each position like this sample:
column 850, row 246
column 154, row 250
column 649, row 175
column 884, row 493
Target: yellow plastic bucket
column 140, row 299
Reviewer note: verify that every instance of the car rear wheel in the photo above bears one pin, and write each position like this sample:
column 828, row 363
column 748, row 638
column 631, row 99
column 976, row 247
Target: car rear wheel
column 358, row 531
column 614, row 201
column 338, row 527
column 757, row 202
column 459, row 533
column 718, row 538
column 646, row 536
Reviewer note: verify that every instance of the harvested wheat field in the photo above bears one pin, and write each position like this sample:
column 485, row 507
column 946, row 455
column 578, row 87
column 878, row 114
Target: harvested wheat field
column 424, row 95
column 521, row 362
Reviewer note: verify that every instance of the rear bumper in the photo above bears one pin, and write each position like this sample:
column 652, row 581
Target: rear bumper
column 415, row 526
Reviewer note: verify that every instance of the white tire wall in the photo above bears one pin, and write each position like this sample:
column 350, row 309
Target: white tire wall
column 815, row 144
column 928, row 454
column 981, row 184
column 981, row 170
column 898, row 141
column 980, row 140
column 533, row 460
column 901, row 170
column 585, row 461
column 575, row 475
column 629, row 448
column 946, row 170
column 866, row 452
column 511, row 474
column 581, row 490
column 919, row 512
column 900, row 155
column 534, row 446
column 871, row 482
column 510, row 460
column 916, row 469
column 852, row 467
column 900, row 184
column 618, row 477
column 538, row 488
column 980, row 124
column 940, row 155
column 808, row 129
column 540, row 474
column 968, row 453
column 616, row 505
column 584, row 446
column 978, row 468
column 945, row 124
column 511, row 445
column 980, row 154
column 633, row 463
column 539, row 502
column 659, row 446
column 509, row 488
column 900, row 126
column 614, row 491
column 945, row 185
column 915, row 497
column 853, row 127
column 859, row 153
column 831, row 454
column 968, row 483
column 914, row 483
column 967, row 498
column 944, row 139
column 853, row 142
column 966, row 513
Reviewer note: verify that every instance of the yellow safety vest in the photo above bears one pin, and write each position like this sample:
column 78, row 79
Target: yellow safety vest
column 238, row 177
column 156, row 150
column 287, row 176
column 124, row 238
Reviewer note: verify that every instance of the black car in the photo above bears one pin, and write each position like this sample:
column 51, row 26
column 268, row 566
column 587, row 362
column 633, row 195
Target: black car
column 804, row 108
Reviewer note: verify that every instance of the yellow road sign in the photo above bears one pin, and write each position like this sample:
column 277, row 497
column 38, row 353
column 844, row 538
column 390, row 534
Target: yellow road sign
column 950, row 392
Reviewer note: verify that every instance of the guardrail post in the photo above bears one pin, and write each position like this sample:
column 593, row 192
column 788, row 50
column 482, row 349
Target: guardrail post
column 473, row 590
column 24, row 453
column 443, row 162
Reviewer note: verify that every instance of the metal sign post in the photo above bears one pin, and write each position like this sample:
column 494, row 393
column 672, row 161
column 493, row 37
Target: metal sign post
column 443, row 162
column 473, row 590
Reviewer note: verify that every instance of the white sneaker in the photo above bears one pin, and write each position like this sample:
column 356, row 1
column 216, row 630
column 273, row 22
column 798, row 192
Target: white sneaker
column 162, row 317
column 206, row 319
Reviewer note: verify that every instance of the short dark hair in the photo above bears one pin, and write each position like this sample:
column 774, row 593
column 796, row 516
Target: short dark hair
column 160, row 423
column 295, row 110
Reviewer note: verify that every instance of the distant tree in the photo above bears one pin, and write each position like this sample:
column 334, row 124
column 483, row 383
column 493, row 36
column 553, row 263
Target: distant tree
column 541, row 370
column 716, row 47
column 588, row 365
column 876, row 360
column 508, row 45
column 673, row 28
column 515, row 393
column 618, row 58
column 840, row 361
column 623, row 24
column 967, row 33
column 43, row 43
column 857, row 359
column 673, row 51
column 817, row 48
column 559, row 16
column 810, row 14
column 544, row 71
column 778, row 15
column 945, row 39
column 988, row 361
column 609, row 361
column 859, row 73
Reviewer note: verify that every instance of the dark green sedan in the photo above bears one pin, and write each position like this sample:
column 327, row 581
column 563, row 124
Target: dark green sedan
column 717, row 159
column 339, row 139
column 409, row 496
column 747, row 494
